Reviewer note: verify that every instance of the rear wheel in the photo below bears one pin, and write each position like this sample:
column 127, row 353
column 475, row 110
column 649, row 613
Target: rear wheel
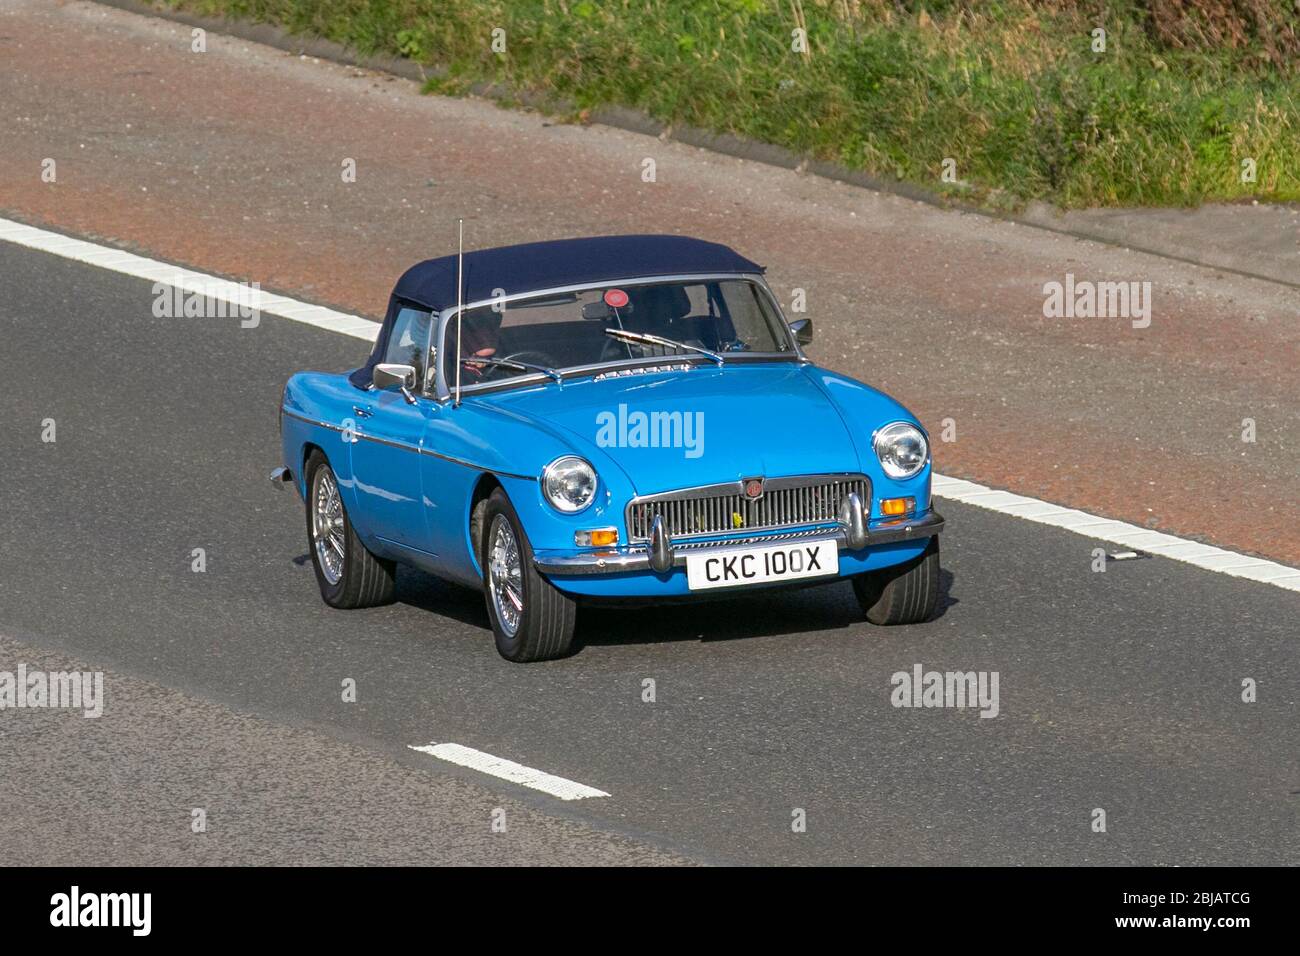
column 531, row 619
column 349, row 575
column 905, row 593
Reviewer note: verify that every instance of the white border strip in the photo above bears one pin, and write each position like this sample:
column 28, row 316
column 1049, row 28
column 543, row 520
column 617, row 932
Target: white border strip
column 1031, row 509
column 1130, row 535
column 127, row 263
column 509, row 770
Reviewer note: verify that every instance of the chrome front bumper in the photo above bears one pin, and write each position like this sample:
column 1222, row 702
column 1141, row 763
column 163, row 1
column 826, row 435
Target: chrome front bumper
column 661, row 554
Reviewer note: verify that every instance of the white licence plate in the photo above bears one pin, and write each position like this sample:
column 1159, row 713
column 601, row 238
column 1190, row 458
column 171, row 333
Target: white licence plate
column 734, row 567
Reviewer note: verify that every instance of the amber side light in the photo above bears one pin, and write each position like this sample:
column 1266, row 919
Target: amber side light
column 596, row 537
column 893, row 507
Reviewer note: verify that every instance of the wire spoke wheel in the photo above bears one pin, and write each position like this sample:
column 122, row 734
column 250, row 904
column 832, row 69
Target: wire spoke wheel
column 505, row 575
column 327, row 525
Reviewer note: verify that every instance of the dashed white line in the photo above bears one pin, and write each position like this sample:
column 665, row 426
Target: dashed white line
column 1202, row 556
column 509, row 770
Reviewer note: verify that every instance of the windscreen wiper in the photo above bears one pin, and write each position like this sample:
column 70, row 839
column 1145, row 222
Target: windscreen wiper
column 645, row 338
column 513, row 363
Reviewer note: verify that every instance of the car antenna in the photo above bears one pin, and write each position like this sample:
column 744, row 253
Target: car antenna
column 460, row 268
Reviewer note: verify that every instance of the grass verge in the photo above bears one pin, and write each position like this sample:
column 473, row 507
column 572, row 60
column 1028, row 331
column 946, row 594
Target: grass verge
column 995, row 102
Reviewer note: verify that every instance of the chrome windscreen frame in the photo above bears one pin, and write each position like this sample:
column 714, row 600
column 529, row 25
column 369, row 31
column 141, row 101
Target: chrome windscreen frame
column 442, row 391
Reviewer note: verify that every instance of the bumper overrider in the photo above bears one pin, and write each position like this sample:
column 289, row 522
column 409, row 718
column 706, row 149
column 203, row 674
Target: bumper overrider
column 661, row 553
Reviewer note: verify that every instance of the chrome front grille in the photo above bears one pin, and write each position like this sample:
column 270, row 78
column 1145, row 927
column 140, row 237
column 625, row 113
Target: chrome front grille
column 725, row 509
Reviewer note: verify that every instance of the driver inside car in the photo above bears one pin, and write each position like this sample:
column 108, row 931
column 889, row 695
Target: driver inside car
column 480, row 334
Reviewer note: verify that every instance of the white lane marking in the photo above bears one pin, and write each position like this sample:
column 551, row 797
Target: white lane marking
column 1202, row 556
column 127, row 263
column 509, row 770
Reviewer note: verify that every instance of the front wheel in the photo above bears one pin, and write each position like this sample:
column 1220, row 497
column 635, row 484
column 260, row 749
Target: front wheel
column 349, row 576
column 906, row 593
column 531, row 619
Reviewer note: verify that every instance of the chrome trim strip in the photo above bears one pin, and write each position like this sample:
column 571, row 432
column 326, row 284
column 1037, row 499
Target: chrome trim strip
column 602, row 370
column 738, row 541
column 390, row 442
column 737, row 487
column 620, row 562
column 689, row 361
column 482, row 468
column 408, row 447
column 310, row 421
column 642, row 370
column 357, row 432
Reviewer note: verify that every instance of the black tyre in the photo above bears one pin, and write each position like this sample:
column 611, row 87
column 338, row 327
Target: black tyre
column 903, row 594
column 349, row 576
column 531, row 619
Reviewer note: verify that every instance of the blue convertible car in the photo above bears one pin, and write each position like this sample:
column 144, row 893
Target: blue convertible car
column 621, row 418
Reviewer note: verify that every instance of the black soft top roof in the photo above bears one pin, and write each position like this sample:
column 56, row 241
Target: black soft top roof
column 536, row 266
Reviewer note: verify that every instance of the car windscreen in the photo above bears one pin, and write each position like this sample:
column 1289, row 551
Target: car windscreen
column 557, row 331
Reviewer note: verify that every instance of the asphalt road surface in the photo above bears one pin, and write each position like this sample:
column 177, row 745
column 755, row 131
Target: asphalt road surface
column 231, row 161
column 1118, row 690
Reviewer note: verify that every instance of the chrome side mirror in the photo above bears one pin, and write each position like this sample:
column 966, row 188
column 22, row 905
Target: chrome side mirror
column 803, row 331
column 388, row 374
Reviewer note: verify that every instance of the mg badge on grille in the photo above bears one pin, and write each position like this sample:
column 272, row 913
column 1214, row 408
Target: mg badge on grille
column 754, row 488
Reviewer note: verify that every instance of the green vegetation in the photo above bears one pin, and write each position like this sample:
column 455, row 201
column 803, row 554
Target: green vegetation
column 1012, row 90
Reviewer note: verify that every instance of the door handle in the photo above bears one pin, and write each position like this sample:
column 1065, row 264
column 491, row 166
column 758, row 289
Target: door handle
column 361, row 411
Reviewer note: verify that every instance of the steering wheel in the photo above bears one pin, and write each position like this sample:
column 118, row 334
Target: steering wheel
column 479, row 370
column 532, row 358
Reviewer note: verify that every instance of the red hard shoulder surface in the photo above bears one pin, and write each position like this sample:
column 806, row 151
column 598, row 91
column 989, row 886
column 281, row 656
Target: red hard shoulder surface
column 231, row 161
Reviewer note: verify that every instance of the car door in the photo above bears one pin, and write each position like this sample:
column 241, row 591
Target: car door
column 389, row 432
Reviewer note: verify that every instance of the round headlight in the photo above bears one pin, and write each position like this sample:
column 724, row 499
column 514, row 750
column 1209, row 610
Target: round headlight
column 569, row 484
column 902, row 449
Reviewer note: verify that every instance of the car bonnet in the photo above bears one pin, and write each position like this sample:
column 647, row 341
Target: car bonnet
column 683, row 428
